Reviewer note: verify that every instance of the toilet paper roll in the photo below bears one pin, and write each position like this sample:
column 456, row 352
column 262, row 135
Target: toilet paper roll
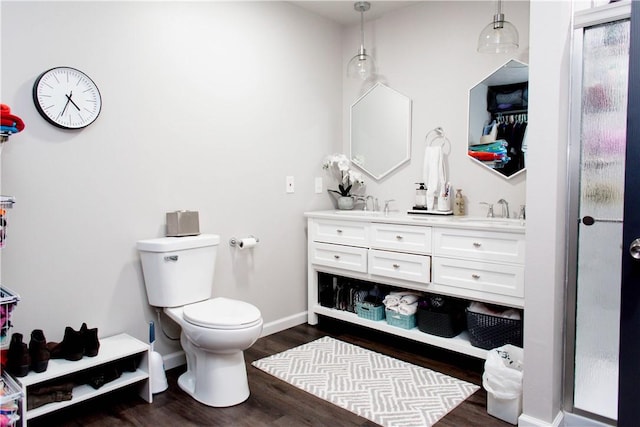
column 247, row 242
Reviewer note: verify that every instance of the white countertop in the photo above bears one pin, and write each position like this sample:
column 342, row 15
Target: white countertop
column 396, row 217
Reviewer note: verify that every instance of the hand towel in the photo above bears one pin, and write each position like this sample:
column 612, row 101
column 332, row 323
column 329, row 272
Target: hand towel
column 391, row 300
column 433, row 173
column 408, row 309
column 408, row 299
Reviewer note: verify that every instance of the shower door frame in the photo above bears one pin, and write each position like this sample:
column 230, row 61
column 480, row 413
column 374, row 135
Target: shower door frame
column 582, row 20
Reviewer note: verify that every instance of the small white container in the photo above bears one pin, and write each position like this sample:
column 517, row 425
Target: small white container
column 506, row 409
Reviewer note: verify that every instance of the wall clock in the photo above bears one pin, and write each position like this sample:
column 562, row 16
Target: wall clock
column 67, row 98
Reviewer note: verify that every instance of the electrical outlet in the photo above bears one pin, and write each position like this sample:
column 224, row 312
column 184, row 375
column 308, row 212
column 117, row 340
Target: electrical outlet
column 318, row 184
column 290, row 185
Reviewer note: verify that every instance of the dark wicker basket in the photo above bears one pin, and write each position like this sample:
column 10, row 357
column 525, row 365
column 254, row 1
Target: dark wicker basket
column 442, row 324
column 488, row 332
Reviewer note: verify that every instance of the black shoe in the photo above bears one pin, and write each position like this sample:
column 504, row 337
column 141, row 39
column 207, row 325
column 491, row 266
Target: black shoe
column 18, row 358
column 71, row 347
column 90, row 340
column 38, row 351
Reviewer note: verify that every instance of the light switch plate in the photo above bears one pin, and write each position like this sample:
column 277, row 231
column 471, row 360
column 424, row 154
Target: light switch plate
column 318, row 184
column 290, row 185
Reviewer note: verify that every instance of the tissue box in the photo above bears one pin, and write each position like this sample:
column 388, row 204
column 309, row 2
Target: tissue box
column 183, row 223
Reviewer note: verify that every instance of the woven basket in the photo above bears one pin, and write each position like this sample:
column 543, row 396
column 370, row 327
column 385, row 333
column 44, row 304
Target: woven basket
column 446, row 325
column 488, row 332
column 370, row 311
column 404, row 321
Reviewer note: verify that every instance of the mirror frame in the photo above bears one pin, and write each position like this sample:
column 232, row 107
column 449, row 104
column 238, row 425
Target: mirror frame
column 376, row 133
column 499, row 76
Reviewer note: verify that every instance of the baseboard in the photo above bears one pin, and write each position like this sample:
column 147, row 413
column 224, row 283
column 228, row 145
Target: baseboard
column 284, row 323
column 173, row 360
column 573, row 420
column 528, row 421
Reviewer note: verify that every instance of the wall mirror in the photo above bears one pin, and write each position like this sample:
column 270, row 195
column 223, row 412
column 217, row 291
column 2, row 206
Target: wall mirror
column 380, row 131
column 498, row 120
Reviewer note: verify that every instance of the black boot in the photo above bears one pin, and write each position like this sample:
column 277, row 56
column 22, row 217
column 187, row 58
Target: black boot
column 90, row 340
column 38, row 351
column 71, row 347
column 18, row 358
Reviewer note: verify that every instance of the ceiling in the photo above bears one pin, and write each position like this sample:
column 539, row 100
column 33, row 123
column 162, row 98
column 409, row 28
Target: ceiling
column 343, row 13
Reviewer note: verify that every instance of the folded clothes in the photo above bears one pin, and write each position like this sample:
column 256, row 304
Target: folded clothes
column 409, row 299
column 8, row 129
column 510, row 313
column 408, row 309
column 5, row 114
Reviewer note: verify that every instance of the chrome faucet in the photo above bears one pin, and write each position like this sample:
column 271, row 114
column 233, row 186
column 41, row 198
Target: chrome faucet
column 386, row 206
column 366, row 203
column 490, row 210
column 505, row 208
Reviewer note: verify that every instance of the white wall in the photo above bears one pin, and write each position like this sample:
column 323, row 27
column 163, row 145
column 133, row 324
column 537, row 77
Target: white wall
column 207, row 106
column 427, row 51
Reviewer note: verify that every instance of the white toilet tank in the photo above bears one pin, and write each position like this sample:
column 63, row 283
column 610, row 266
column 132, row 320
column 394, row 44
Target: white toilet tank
column 178, row 270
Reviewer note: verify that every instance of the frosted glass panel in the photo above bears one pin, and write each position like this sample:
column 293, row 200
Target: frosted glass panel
column 603, row 140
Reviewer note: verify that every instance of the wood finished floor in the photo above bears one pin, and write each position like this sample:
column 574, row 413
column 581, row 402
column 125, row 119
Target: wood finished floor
column 274, row 402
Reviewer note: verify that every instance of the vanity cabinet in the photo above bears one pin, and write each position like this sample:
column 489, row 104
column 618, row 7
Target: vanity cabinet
column 477, row 261
column 114, row 349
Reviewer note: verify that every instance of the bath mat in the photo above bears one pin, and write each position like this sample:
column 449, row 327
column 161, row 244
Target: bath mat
column 382, row 389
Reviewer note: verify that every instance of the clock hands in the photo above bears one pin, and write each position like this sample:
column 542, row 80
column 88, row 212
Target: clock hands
column 69, row 99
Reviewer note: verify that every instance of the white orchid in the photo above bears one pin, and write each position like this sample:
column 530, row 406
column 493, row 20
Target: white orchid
column 341, row 166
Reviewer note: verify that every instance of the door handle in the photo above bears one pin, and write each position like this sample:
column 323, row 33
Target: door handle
column 589, row 220
column 634, row 249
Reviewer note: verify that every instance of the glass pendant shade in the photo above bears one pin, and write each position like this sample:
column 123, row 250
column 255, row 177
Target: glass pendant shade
column 361, row 66
column 499, row 36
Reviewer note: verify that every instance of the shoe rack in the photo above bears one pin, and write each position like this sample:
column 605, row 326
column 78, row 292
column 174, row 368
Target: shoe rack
column 112, row 350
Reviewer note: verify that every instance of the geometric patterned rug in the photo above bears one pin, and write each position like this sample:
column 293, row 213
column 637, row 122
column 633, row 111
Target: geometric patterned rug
column 382, row 389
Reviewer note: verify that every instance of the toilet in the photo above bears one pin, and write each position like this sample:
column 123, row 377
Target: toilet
column 178, row 275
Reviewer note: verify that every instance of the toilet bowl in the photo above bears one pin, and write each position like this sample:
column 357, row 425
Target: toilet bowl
column 178, row 273
column 214, row 339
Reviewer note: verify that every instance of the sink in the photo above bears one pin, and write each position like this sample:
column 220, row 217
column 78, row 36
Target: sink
column 491, row 221
column 364, row 213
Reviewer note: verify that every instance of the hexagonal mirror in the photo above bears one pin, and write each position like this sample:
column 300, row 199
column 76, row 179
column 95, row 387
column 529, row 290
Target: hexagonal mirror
column 380, row 131
column 498, row 120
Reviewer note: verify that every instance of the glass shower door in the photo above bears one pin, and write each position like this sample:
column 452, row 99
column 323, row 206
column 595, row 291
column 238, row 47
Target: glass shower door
column 602, row 130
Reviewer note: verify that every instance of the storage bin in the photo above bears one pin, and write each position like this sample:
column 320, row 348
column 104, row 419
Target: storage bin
column 370, row 311
column 404, row 321
column 487, row 331
column 442, row 324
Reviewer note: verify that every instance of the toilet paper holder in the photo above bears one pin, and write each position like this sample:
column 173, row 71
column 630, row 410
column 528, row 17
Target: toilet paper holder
column 233, row 242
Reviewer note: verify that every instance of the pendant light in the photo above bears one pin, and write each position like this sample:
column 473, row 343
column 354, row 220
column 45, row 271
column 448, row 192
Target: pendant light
column 361, row 65
column 499, row 36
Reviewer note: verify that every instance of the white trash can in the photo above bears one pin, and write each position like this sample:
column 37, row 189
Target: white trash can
column 502, row 378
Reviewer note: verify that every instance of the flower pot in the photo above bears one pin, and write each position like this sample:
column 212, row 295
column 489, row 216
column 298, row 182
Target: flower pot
column 345, row 202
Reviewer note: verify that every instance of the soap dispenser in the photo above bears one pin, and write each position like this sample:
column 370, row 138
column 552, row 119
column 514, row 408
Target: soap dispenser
column 421, row 196
column 459, row 208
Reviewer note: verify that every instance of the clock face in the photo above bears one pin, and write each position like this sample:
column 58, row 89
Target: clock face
column 67, row 98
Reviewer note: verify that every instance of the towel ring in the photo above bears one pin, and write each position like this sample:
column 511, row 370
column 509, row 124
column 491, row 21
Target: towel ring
column 440, row 136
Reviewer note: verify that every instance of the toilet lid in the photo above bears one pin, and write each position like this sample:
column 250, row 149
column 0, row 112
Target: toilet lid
column 222, row 313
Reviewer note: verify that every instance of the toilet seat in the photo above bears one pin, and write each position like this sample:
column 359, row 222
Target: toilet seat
column 222, row 313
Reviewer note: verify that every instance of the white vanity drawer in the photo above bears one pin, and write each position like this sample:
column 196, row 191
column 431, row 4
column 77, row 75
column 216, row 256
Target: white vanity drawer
column 341, row 232
column 480, row 245
column 337, row 256
column 415, row 268
column 500, row 279
column 403, row 238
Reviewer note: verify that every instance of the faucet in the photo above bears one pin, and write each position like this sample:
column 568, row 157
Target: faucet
column 523, row 214
column 490, row 211
column 386, row 206
column 366, row 203
column 505, row 208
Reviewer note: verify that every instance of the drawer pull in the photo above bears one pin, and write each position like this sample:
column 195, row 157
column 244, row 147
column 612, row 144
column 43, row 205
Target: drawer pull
column 338, row 231
column 475, row 276
column 396, row 265
column 477, row 244
column 336, row 256
column 399, row 237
